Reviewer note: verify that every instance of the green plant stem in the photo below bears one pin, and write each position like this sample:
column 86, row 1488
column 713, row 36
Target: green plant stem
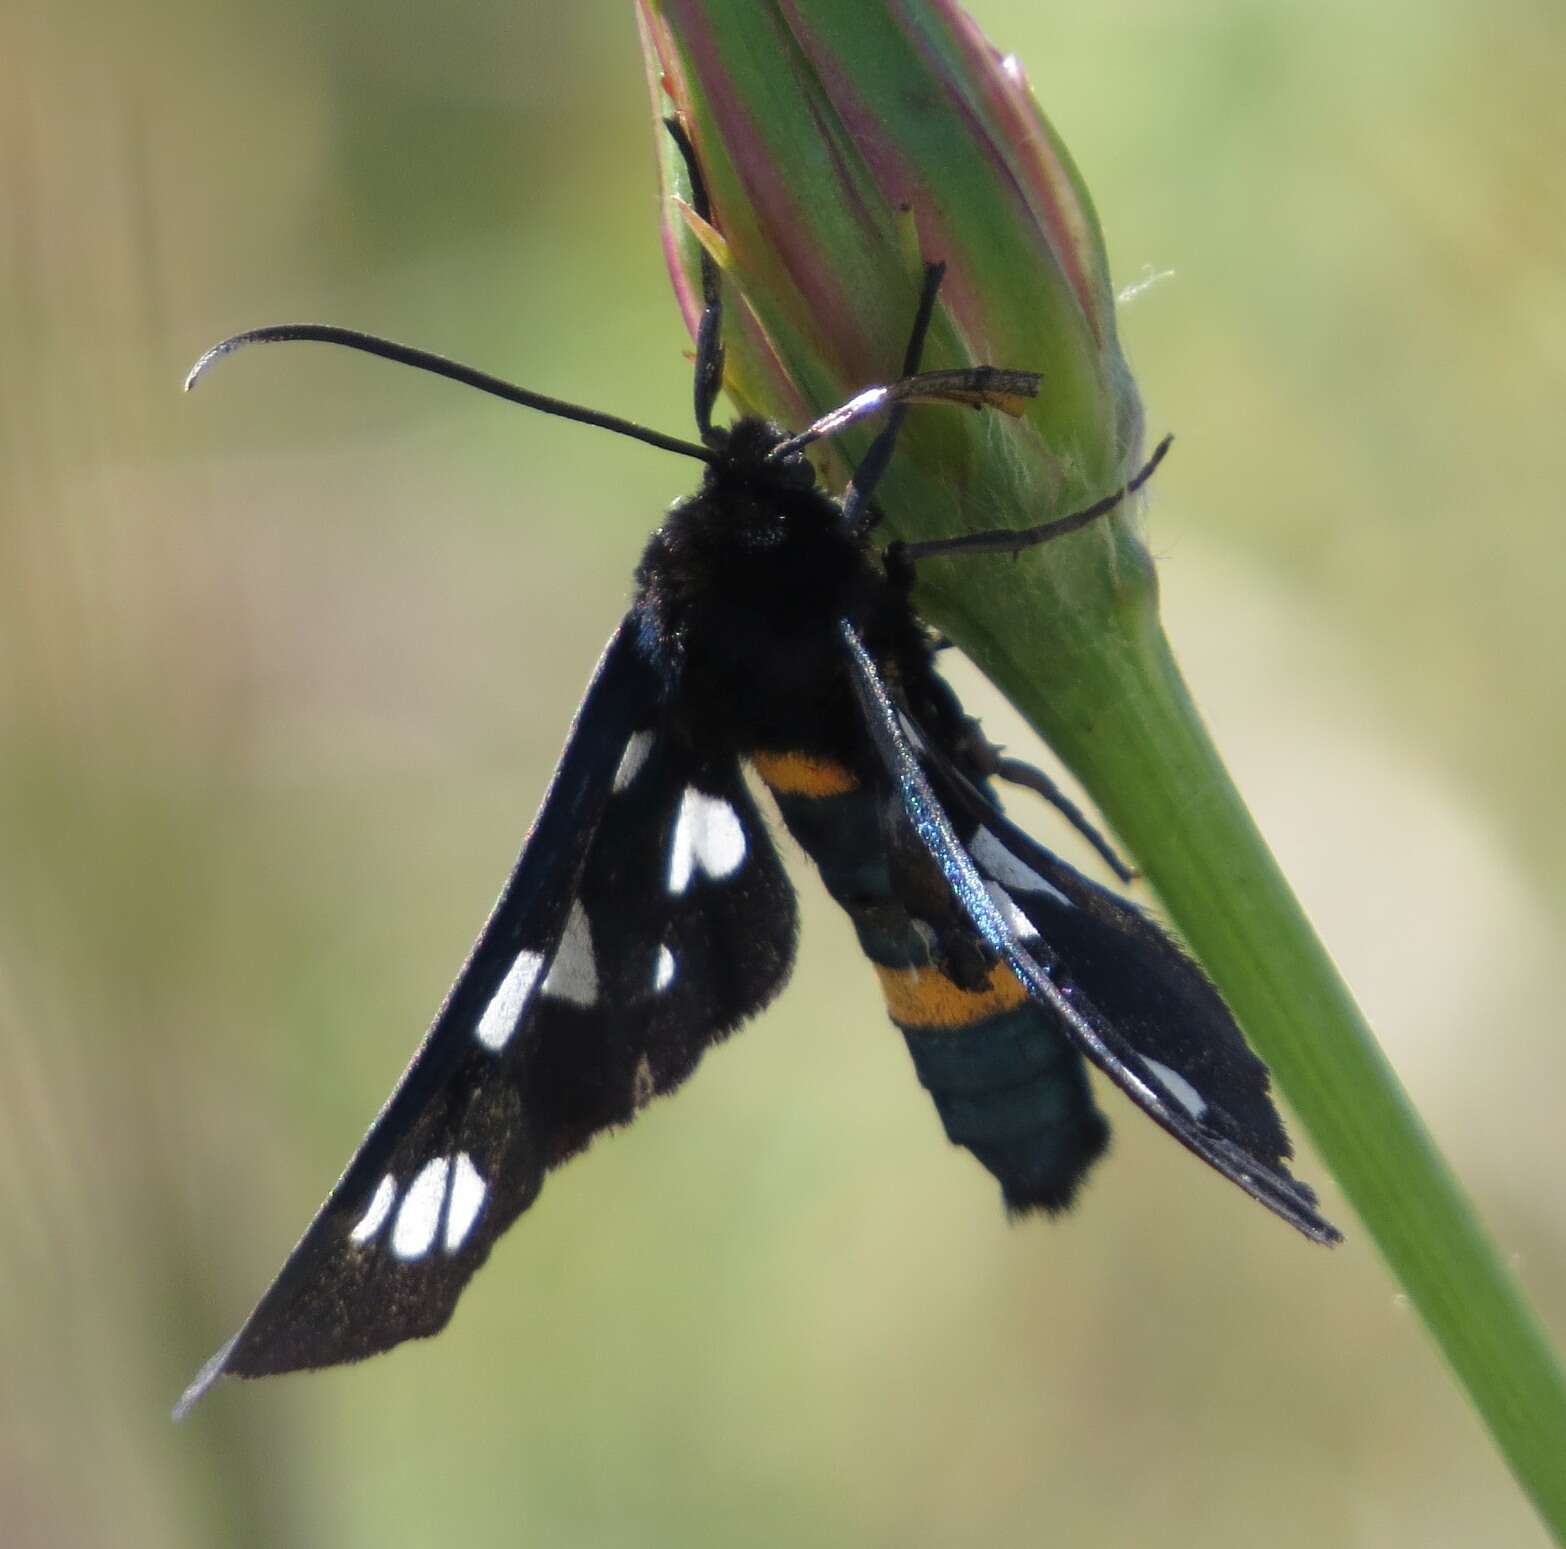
column 1145, row 756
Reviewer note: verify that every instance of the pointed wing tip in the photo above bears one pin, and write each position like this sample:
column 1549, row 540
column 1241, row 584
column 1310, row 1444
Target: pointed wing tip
column 1323, row 1231
column 1296, row 1204
column 203, row 1380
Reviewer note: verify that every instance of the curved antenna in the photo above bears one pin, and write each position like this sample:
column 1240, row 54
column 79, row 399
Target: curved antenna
column 439, row 365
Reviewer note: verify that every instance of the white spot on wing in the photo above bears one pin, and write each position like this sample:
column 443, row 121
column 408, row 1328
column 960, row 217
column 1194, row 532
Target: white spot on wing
column 1179, row 1088
column 663, row 974
column 504, row 1011
column 573, row 975
column 1016, row 921
column 637, row 747
column 708, row 837
column 379, row 1208
column 467, row 1195
column 419, row 1213
column 998, row 863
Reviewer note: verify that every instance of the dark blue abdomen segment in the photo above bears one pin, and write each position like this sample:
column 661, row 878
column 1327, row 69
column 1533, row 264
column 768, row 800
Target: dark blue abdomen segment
column 1007, row 1084
column 1016, row 1094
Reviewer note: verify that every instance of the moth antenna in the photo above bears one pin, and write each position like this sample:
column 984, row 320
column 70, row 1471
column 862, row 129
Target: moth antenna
column 439, row 365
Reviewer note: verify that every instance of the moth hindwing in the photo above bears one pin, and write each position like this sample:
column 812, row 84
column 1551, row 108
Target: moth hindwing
column 648, row 916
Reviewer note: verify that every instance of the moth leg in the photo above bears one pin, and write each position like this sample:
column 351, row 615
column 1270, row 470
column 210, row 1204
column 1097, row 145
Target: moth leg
column 860, row 515
column 1012, row 540
column 990, row 761
column 709, row 334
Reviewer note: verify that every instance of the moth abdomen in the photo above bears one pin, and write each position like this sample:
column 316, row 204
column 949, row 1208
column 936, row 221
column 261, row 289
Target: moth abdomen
column 1006, row 1083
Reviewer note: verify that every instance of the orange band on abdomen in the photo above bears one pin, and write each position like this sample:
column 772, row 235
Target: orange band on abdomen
column 925, row 997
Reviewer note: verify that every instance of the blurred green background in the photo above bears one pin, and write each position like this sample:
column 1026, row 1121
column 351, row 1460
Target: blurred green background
column 284, row 668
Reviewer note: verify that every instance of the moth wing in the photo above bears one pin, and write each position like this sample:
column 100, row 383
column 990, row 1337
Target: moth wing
column 596, row 983
column 1122, row 991
column 694, row 925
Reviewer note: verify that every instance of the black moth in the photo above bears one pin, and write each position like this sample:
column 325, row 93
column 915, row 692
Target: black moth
column 648, row 914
